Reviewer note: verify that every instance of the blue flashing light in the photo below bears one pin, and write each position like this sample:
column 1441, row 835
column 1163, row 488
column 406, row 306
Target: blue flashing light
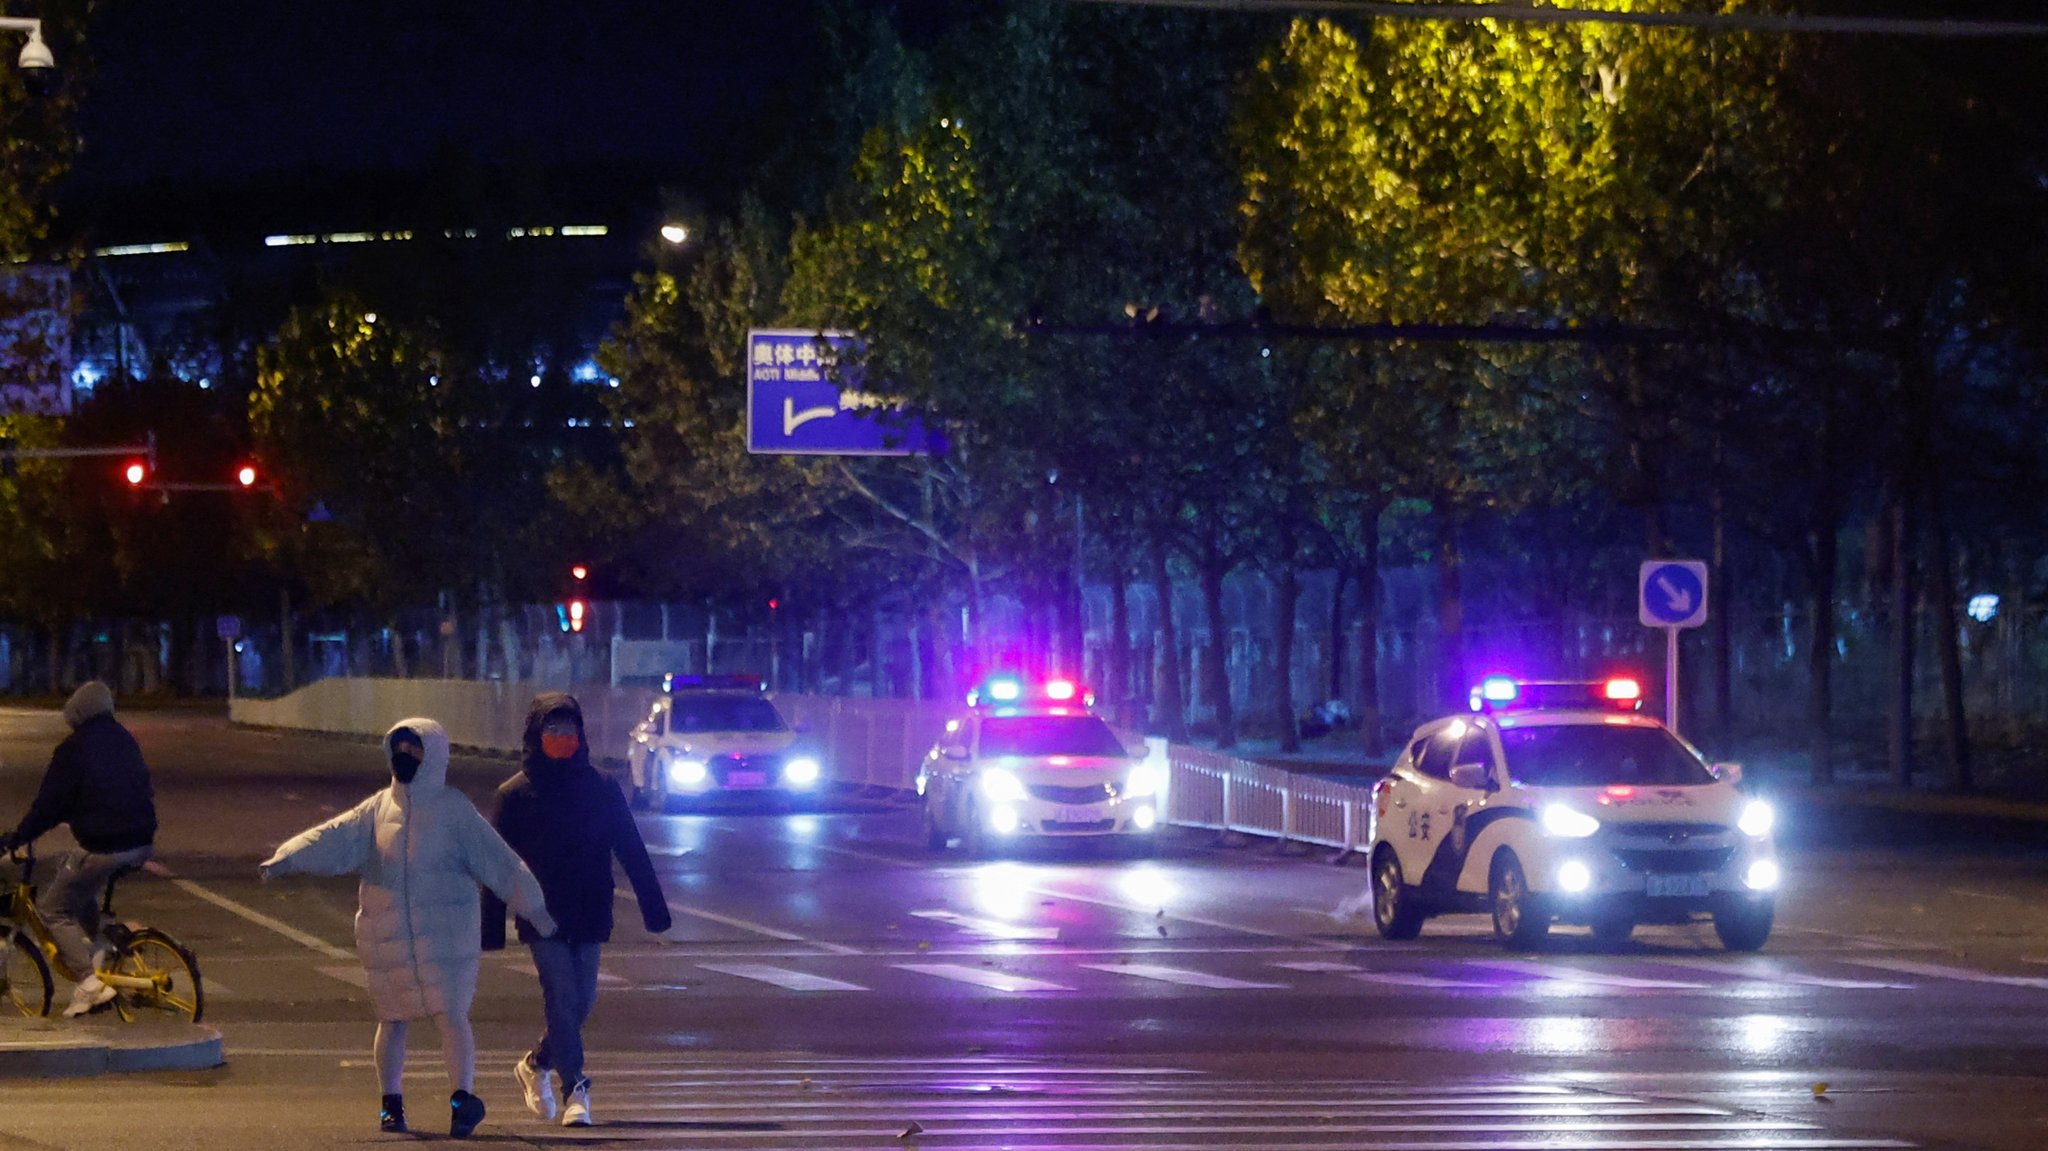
column 1004, row 690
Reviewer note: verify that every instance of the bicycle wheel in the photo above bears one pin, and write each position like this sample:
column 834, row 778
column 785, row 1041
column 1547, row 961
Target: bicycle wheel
column 24, row 978
column 174, row 989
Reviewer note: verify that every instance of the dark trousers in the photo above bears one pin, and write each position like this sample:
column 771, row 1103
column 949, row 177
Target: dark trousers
column 568, row 990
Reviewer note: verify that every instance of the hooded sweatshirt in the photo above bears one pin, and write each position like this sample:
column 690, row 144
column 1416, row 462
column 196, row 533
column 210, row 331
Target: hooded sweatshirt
column 421, row 849
column 97, row 781
column 568, row 822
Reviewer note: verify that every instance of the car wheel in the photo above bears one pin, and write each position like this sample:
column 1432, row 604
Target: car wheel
column 1744, row 924
column 935, row 837
column 1518, row 922
column 1394, row 912
column 1612, row 928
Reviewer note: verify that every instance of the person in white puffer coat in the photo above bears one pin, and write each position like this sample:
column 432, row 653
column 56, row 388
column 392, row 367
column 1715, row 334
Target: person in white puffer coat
column 421, row 849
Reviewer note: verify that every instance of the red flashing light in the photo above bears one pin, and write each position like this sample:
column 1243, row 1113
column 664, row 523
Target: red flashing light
column 1623, row 690
column 580, row 572
column 135, row 473
column 773, row 604
column 576, row 612
column 246, row 475
column 1060, row 689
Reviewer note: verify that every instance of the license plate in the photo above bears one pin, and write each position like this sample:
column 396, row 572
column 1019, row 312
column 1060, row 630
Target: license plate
column 746, row 779
column 1076, row 815
column 1668, row 885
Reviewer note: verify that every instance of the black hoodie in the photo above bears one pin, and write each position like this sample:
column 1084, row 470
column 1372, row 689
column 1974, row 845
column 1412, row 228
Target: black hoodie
column 568, row 822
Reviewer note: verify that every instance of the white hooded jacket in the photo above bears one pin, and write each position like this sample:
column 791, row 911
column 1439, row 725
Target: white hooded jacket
column 421, row 850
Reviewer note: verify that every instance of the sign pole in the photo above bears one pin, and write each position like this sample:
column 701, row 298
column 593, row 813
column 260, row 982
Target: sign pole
column 1671, row 679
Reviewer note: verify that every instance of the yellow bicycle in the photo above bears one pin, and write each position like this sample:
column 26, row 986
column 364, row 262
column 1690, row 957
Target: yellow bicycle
column 150, row 972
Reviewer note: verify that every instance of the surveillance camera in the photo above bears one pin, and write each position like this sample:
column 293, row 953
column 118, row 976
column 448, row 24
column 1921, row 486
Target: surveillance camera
column 35, row 55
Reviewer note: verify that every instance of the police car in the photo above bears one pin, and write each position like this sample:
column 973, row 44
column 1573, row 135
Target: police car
column 1033, row 761
column 1559, row 802
column 716, row 735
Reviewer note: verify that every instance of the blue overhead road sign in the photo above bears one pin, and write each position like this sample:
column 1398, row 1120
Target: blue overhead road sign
column 799, row 401
column 1672, row 593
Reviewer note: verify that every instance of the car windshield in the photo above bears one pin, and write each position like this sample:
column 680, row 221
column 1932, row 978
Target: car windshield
column 1049, row 735
column 1585, row 755
column 723, row 713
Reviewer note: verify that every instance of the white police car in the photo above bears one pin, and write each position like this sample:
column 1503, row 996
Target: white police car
column 1558, row 802
column 716, row 735
column 1036, row 762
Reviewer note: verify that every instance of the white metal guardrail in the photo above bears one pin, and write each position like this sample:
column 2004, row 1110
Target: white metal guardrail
column 1209, row 789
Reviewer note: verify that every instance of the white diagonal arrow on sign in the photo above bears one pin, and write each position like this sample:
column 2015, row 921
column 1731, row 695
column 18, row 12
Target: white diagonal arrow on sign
column 1679, row 598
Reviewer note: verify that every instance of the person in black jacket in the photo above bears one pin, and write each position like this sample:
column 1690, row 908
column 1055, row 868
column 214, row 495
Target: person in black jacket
column 567, row 822
column 97, row 783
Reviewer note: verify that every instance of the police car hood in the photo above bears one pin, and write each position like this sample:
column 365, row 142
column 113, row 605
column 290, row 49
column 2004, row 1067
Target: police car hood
column 1712, row 802
column 708, row 743
column 1065, row 769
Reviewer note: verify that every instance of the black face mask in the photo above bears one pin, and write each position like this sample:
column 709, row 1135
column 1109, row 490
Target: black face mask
column 404, row 765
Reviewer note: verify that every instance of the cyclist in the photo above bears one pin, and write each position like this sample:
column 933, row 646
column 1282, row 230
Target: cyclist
column 98, row 783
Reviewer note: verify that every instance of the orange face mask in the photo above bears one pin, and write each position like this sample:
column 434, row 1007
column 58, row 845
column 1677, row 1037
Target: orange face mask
column 559, row 746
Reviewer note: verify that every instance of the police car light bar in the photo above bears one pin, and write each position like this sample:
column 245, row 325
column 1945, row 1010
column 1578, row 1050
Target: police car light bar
column 675, row 683
column 1007, row 689
column 1504, row 693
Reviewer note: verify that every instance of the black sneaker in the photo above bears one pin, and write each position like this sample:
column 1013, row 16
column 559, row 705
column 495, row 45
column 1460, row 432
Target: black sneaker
column 466, row 1111
column 392, row 1117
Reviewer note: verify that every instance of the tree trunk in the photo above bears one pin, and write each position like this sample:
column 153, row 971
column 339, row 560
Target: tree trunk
column 1285, row 608
column 1117, row 677
column 1724, row 598
column 1171, row 709
column 1452, row 690
column 1943, row 599
column 1216, row 668
column 288, row 656
column 1820, row 655
column 1337, row 633
column 1369, row 718
column 1900, row 726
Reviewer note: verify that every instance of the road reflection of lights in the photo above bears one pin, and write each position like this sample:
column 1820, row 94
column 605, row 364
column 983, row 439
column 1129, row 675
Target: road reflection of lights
column 1002, row 890
column 1762, row 1034
column 1562, row 1035
column 803, row 826
column 1147, row 886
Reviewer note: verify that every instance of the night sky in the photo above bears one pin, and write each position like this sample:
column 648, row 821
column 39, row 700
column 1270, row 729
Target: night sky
column 189, row 97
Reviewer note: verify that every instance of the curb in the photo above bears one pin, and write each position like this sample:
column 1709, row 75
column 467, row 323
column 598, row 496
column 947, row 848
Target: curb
column 43, row 1050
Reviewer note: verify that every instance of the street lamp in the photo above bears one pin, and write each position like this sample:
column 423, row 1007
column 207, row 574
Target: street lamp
column 35, row 55
column 675, row 234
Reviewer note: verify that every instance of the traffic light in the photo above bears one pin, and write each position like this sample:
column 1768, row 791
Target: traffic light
column 246, row 475
column 579, row 572
column 135, row 473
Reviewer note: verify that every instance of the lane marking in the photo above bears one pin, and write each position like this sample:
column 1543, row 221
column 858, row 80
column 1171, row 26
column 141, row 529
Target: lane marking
column 1183, row 977
column 992, row 928
column 1391, row 978
column 781, row 977
column 747, row 925
column 1938, row 971
column 268, row 923
column 1560, row 973
column 981, row 977
column 1772, row 973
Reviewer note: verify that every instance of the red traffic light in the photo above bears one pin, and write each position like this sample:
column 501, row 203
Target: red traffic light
column 246, row 475
column 580, row 572
column 135, row 473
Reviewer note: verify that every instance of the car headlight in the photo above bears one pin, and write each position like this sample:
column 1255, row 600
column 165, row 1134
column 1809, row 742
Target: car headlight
column 802, row 772
column 1568, row 823
column 1757, row 819
column 687, row 772
column 1144, row 779
column 1002, row 786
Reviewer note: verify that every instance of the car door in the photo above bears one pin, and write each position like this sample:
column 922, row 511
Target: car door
column 1418, row 810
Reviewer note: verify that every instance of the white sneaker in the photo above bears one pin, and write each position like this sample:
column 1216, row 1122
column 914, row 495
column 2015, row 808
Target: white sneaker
column 538, row 1085
column 577, row 1112
column 89, row 993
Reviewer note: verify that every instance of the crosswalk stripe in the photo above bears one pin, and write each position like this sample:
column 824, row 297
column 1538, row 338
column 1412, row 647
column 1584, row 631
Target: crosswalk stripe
column 992, row 928
column 1938, row 971
column 981, row 977
column 1766, row 972
column 526, row 967
column 781, row 977
column 1565, row 974
column 1393, row 978
column 1182, row 976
